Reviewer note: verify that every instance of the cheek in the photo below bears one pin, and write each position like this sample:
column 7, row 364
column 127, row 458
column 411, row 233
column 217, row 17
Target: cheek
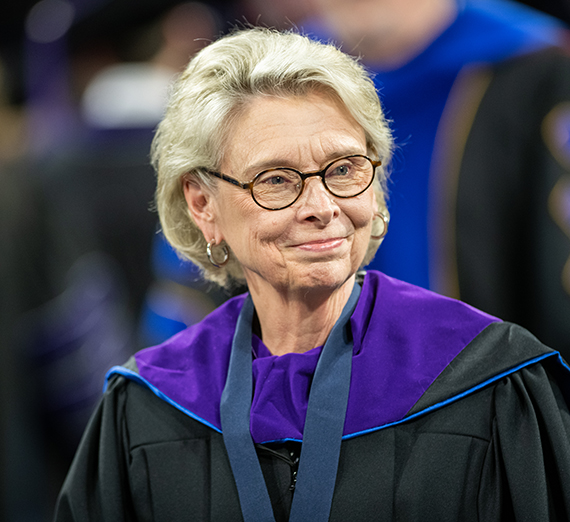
column 364, row 219
column 249, row 229
column 362, row 211
column 267, row 232
column 234, row 210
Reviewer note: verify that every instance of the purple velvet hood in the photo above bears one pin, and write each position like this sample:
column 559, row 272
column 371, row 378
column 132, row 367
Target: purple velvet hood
column 404, row 337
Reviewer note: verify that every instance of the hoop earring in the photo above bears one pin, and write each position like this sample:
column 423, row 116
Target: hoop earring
column 217, row 264
column 385, row 221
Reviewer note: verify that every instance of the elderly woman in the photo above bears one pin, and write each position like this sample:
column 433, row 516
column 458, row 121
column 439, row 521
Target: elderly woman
column 325, row 393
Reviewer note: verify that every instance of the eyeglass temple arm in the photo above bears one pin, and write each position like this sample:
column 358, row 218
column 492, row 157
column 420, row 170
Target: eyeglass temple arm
column 230, row 180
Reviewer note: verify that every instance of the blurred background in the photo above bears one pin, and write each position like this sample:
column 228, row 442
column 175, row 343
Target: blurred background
column 85, row 277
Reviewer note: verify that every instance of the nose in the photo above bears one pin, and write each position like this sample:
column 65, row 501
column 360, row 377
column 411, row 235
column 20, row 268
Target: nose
column 316, row 202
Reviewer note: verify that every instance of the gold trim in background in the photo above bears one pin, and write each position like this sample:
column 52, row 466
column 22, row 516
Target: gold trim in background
column 453, row 130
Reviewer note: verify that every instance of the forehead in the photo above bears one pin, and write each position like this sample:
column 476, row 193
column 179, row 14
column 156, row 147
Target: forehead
column 298, row 131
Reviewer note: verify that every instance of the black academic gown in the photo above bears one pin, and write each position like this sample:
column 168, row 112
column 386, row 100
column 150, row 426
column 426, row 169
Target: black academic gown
column 488, row 441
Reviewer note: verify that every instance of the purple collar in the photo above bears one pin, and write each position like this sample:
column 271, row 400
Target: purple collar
column 404, row 337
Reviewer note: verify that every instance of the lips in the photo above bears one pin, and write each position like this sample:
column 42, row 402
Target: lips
column 321, row 244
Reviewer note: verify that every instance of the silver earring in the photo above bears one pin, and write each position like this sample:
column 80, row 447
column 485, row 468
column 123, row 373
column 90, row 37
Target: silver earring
column 217, row 264
column 385, row 230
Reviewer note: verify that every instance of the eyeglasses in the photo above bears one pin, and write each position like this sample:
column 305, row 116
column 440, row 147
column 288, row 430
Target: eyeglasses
column 280, row 187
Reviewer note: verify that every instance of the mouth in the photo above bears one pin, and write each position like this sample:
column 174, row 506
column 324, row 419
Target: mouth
column 321, row 245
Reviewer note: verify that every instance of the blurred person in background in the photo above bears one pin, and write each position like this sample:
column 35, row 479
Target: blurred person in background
column 77, row 240
column 18, row 293
column 281, row 14
column 479, row 92
column 124, row 101
column 13, row 137
column 558, row 8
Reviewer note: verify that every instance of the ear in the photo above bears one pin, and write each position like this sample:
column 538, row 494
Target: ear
column 202, row 207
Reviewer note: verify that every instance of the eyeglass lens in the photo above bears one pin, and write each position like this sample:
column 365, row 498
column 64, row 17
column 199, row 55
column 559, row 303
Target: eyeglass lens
column 346, row 177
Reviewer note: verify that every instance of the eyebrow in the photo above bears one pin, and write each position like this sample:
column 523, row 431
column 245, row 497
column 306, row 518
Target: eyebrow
column 256, row 168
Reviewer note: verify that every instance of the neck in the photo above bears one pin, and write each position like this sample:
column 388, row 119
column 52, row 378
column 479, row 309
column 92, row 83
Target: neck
column 299, row 320
column 397, row 33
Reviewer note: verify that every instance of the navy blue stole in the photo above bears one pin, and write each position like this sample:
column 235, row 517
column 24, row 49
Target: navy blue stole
column 324, row 423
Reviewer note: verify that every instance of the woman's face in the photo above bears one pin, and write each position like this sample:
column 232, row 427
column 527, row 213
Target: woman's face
column 319, row 241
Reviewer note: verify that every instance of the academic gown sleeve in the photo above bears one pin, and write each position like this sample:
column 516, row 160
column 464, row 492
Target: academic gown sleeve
column 141, row 459
column 527, row 465
column 96, row 487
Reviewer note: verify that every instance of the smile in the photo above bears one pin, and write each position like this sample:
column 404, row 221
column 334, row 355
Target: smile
column 321, row 245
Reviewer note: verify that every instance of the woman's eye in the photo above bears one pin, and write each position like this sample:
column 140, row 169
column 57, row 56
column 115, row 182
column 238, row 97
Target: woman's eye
column 341, row 170
column 275, row 180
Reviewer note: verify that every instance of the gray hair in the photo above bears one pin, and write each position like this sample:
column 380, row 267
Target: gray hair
column 209, row 95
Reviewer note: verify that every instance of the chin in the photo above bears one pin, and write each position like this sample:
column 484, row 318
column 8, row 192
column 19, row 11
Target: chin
column 325, row 275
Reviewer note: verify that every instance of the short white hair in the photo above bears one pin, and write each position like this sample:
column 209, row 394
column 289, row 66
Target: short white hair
column 209, row 95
